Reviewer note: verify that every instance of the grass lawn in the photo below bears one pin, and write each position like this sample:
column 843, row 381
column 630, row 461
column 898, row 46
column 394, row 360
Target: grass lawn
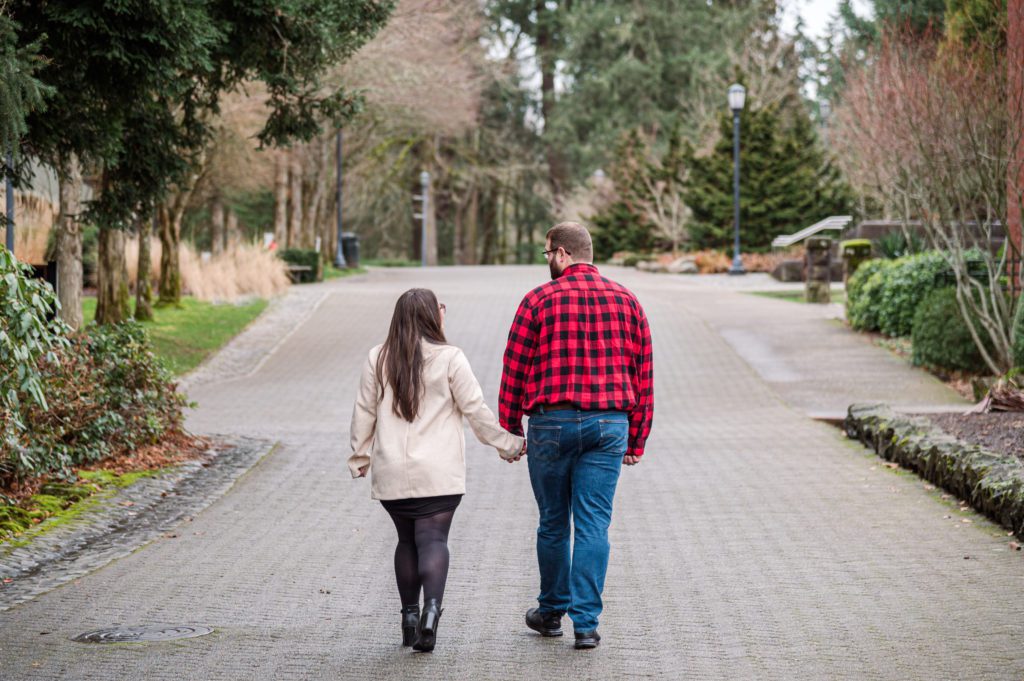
column 185, row 336
column 332, row 272
column 838, row 295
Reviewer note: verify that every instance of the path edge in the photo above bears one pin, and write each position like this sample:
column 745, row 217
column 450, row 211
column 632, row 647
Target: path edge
column 991, row 483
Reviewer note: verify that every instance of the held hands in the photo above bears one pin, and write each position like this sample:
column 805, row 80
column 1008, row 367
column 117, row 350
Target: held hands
column 363, row 469
column 630, row 460
column 522, row 453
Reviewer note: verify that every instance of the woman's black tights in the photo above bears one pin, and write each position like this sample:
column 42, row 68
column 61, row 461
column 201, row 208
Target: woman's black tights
column 421, row 557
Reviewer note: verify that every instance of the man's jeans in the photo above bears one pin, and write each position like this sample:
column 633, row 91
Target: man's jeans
column 574, row 459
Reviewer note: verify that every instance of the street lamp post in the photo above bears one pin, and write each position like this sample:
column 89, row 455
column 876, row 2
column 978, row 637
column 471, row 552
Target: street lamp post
column 424, row 207
column 339, row 251
column 737, row 95
column 9, row 190
column 825, row 110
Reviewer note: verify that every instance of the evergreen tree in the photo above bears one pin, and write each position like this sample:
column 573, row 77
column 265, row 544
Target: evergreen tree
column 851, row 36
column 642, row 65
column 785, row 181
column 20, row 91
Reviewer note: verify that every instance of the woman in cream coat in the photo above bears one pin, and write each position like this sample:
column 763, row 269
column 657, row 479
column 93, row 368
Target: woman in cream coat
column 407, row 433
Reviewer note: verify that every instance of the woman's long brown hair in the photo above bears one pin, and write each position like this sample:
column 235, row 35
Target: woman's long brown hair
column 401, row 359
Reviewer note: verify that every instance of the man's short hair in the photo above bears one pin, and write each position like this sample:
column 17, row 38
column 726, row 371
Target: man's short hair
column 574, row 238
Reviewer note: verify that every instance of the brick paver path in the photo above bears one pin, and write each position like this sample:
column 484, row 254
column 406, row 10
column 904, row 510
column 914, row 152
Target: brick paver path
column 752, row 543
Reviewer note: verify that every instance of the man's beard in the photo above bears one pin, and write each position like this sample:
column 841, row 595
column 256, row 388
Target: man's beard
column 555, row 272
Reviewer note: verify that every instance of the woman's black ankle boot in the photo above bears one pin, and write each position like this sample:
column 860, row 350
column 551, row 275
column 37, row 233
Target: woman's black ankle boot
column 410, row 622
column 428, row 625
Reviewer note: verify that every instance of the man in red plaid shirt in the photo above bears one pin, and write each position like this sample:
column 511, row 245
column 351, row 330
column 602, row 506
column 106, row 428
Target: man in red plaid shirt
column 579, row 362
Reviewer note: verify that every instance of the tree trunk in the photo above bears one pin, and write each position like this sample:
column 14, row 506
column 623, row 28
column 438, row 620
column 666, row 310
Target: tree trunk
column 171, row 214
column 170, row 270
column 112, row 294
column 316, row 201
column 457, row 255
column 489, row 220
column 217, row 225
column 517, row 215
column 1015, row 193
column 547, row 57
column 294, row 239
column 281, row 201
column 69, row 245
column 231, row 235
column 143, row 287
column 469, row 253
column 432, row 223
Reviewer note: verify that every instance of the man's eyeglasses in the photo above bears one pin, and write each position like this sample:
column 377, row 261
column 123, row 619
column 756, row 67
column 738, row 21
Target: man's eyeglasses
column 442, row 307
column 553, row 250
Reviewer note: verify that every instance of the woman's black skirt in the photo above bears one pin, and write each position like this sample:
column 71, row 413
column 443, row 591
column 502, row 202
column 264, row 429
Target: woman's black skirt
column 421, row 507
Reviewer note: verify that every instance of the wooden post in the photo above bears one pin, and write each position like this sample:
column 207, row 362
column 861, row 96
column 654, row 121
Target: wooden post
column 819, row 269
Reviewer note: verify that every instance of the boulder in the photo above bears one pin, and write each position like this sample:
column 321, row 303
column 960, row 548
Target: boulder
column 789, row 271
column 684, row 265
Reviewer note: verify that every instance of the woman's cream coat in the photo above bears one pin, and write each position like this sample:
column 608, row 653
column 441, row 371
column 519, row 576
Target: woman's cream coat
column 427, row 457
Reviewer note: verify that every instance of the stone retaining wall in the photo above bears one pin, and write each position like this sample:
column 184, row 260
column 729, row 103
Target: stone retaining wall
column 992, row 483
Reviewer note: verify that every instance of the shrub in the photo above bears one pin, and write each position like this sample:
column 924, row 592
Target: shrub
column 634, row 259
column 864, row 294
column 906, row 285
column 940, row 335
column 67, row 399
column 896, row 245
column 28, row 339
column 309, row 258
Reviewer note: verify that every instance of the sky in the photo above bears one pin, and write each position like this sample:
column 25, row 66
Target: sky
column 816, row 14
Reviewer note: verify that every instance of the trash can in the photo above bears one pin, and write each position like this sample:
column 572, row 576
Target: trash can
column 350, row 248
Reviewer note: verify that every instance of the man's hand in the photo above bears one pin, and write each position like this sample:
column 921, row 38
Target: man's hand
column 630, row 460
column 522, row 453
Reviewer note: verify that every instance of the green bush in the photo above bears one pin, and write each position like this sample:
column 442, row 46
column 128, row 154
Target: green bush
column 70, row 399
column 308, row 258
column 864, row 294
column 634, row 259
column 940, row 335
column 27, row 339
column 906, row 285
column 896, row 245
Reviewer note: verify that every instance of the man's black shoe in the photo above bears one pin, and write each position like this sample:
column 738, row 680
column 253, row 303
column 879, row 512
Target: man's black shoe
column 544, row 623
column 587, row 639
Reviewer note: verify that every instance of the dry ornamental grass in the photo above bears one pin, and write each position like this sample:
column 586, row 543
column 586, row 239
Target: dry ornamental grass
column 242, row 271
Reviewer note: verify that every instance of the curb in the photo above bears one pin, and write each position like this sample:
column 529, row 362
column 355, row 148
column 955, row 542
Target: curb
column 992, row 483
column 117, row 525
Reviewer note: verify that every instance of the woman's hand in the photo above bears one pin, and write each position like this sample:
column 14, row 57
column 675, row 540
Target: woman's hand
column 522, row 453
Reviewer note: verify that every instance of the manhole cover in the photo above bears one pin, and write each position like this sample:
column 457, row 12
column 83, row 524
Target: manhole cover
column 142, row 634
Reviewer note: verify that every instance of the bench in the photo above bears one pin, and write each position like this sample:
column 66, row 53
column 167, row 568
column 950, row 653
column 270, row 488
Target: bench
column 295, row 272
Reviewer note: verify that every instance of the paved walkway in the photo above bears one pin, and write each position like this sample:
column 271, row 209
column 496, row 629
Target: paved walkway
column 806, row 354
column 752, row 543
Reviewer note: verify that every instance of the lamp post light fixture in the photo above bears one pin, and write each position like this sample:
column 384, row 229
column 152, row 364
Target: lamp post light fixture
column 737, row 96
column 424, row 206
column 339, row 251
column 825, row 112
column 9, row 192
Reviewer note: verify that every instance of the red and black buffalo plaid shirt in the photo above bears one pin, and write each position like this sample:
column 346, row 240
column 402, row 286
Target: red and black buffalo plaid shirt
column 583, row 339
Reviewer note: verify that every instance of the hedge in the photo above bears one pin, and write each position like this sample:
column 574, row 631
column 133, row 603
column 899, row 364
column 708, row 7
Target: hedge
column 864, row 294
column 907, row 284
column 940, row 335
column 308, row 258
column 883, row 295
